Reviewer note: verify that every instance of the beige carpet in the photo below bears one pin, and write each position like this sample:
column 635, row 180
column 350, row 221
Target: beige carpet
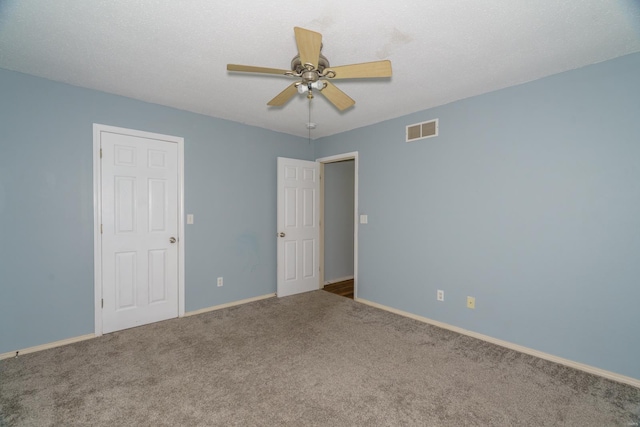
column 315, row 359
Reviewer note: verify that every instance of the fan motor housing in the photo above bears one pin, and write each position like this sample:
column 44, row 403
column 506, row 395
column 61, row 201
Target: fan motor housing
column 310, row 76
column 296, row 64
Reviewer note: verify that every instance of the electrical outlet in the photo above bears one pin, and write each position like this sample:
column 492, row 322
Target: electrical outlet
column 471, row 302
column 440, row 295
column 220, row 283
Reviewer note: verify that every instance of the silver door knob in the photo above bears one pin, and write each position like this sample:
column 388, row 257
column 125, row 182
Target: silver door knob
column 281, row 234
column 172, row 240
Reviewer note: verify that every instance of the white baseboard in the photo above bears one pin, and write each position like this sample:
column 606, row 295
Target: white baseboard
column 339, row 279
column 54, row 344
column 570, row 363
column 229, row 304
column 46, row 346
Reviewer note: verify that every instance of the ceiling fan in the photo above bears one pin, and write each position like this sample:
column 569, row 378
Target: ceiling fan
column 314, row 72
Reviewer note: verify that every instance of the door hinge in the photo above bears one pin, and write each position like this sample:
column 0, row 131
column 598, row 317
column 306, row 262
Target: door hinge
column 101, row 153
column 100, row 228
column 102, row 303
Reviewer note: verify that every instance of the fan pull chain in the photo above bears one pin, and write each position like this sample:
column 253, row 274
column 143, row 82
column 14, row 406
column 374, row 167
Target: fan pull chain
column 309, row 122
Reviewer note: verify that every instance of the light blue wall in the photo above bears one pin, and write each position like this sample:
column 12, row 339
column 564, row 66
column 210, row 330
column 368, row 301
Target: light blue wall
column 338, row 219
column 46, row 204
column 528, row 200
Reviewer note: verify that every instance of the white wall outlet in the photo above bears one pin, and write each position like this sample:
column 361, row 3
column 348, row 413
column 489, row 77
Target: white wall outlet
column 471, row 302
column 440, row 295
column 220, row 283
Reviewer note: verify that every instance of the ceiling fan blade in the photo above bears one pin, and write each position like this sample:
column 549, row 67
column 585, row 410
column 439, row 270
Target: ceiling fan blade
column 337, row 97
column 284, row 96
column 366, row 70
column 309, row 44
column 250, row 69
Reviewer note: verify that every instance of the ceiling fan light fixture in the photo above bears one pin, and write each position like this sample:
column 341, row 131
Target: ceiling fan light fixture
column 312, row 68
column 304, row 88
column 318, row 85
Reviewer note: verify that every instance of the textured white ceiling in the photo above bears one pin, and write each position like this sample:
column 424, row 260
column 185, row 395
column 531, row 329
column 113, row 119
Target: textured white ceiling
column 174, row 52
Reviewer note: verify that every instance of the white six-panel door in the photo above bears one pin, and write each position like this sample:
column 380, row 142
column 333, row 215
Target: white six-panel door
column 298, row 226
column 139, row 179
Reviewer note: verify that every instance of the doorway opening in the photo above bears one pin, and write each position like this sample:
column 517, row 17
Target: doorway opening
column 339, row 224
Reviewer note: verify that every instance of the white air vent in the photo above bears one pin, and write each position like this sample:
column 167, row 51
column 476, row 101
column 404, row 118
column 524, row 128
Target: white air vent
column 422, row 130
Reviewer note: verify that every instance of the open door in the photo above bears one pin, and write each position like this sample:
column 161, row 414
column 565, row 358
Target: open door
column 298, row 226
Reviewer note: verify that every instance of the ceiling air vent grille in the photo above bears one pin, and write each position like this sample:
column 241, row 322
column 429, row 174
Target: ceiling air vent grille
column 422, row 130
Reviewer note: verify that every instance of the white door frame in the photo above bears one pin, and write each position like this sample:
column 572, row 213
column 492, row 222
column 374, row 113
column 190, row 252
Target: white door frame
column 331, row 159
column 97, row 214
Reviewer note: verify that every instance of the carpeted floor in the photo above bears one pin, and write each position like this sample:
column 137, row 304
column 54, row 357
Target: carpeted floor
column 314, row 359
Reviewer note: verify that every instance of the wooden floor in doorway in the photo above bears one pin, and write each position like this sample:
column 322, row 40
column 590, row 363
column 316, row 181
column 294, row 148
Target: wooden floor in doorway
column 344, row 289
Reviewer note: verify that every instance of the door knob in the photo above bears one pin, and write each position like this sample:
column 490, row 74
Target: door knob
column 172, row 240
column 281, row 234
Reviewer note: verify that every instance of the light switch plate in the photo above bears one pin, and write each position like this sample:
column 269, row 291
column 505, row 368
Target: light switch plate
column 189, row 218
column 364, row 219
